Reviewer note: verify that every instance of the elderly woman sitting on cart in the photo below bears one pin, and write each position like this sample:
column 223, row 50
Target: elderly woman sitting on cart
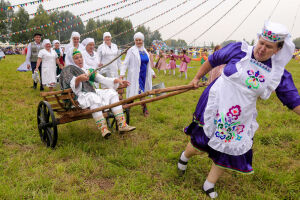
column 78, row 78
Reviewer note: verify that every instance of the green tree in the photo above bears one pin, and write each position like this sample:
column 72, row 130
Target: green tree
column 41, row 21
column 21, row 22
column 227, row 42
column 120, row 25
column 297, row 42
column 5, row 26
column 155, row 35
column 101, row 30
column 176, row 43
column 66, row 27
column 212, row 45
column 147, row 34
column 90, row 26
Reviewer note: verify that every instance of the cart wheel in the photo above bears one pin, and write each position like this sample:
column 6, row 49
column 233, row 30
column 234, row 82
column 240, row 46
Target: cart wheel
column 47, row 124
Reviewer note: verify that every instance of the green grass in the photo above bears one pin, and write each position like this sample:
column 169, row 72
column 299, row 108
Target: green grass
column 141, row 164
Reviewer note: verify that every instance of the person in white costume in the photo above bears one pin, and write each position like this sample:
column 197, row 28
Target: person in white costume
column 74, row 43
column 91, row 60
column 224, row 122
column 78, row 78
column 49, row 58
column 140, row 72
column 106, row 52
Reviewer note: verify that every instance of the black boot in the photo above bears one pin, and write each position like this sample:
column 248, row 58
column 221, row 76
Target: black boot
column 41, row 88
column 34, row 85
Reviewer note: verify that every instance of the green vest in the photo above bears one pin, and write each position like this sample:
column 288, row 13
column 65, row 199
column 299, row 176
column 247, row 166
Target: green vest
column 35, row 52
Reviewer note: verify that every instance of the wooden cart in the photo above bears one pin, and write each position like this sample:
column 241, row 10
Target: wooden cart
column 67, row 109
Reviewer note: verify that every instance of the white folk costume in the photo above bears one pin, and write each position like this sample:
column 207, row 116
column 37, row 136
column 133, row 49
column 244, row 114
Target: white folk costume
column 106, row 54
column 91, row 61
column 89, row 97
column 49, row 65
column 225, row 118
column 133, row 62
column 70, row 47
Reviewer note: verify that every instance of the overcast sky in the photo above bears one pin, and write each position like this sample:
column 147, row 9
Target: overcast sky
column 285, row 13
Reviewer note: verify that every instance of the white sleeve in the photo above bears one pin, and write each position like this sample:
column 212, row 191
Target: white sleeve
column 41, row 54
column 109, row 82
column 99, row 53
column 78, row 89
column 28, row 54
column 125, row 65
column 119, row 61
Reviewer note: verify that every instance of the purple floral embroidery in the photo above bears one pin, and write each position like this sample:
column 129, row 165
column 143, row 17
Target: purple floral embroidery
column 254, row 79
column 234, row 112
column 228, row 128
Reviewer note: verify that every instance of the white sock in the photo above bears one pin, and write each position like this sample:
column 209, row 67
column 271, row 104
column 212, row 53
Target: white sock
column 208, row 185
column 185, row 75
column 184, row 159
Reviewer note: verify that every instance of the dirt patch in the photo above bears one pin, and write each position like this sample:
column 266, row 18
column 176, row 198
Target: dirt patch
column 15, row 146
column 102, row 183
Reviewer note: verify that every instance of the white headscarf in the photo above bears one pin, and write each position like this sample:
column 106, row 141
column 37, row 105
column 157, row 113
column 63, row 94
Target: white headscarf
column 55, row 41
column 87, row 41
column 106, row 34
column 46, row 41
column 74, row 34
column 139, row 35
column 70, row 55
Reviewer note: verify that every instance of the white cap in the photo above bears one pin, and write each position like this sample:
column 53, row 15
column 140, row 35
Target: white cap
column 106, row 34
column 46, row 41
column 55, row 41
column 139, row 35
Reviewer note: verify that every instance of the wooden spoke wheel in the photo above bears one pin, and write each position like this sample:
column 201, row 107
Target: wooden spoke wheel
column 47, row 124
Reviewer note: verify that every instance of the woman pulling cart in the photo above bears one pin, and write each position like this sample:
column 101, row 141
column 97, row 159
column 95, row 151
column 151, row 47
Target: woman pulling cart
column 225, row 118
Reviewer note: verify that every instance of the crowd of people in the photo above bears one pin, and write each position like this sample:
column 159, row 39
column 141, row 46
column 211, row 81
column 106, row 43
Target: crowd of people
column 224, row 122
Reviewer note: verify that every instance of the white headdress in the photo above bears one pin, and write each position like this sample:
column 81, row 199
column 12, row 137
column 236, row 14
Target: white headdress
column 74, row 34
column 139, row 35
column 46, row 41
column 106, row 34
column 55, row 41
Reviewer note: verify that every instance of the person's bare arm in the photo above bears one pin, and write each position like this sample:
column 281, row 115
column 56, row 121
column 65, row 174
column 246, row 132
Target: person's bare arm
column 38, row 63
column 204, row 69
column 81, row 78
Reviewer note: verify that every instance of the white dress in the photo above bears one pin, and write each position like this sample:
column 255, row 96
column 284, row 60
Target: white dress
column 132, row 62
column 48, row 67
column 101, row 97
column 106, row 55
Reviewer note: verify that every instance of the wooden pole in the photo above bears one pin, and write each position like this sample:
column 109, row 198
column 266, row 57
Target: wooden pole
column 155, row 98
column 184, row 88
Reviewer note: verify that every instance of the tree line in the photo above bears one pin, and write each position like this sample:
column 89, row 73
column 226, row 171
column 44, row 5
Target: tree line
column 23, row 22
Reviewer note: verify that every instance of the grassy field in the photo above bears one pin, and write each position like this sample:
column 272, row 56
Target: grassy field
column 142, row 164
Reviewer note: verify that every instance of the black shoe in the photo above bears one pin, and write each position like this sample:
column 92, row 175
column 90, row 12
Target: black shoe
column 41, row 89
column 209, row 191
column 180, row 171
column 34, row 85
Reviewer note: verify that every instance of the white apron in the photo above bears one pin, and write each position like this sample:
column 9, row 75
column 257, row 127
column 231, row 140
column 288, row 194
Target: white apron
column 48, row 67
column 230, row 114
